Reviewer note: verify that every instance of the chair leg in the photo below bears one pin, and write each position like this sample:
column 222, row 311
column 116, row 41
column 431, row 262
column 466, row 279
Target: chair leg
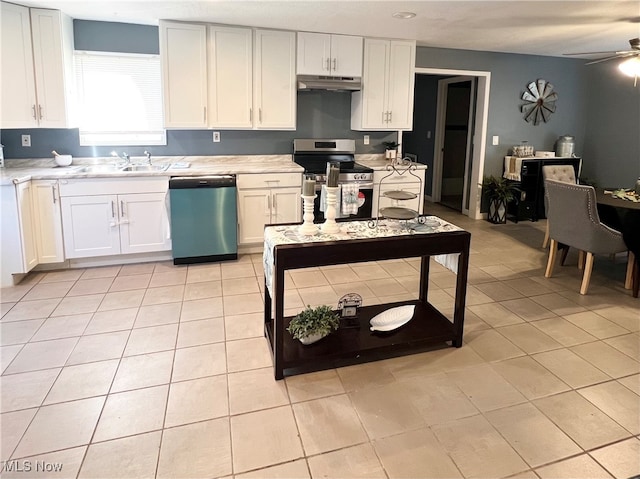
column 628, row 279
column 553, row 248
column 545, row 241
column 586, row 277
column 580, row 259
column 565, row 252
column 636, row 278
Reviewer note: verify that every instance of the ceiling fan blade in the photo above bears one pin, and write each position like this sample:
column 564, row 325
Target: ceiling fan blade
column 611, row 58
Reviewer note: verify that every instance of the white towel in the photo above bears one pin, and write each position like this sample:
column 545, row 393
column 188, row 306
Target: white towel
column 350, row 199
column 512, row 168
column 323, row 199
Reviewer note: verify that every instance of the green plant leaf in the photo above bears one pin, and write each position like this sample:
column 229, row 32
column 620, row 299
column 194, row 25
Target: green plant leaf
column 321, row 319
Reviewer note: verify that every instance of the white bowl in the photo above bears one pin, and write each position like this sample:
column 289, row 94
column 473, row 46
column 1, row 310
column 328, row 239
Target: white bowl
column 63, row 160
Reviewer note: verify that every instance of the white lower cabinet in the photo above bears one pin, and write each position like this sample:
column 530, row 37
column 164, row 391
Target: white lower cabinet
column 18, row 248
column 267, row 199
column 118, row 223
column 48, row 221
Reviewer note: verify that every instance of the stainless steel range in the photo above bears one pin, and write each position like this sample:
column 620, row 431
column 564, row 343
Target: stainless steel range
column 314, row 154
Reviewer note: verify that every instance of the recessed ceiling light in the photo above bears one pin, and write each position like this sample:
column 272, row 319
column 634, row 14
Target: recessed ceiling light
column 403, row 15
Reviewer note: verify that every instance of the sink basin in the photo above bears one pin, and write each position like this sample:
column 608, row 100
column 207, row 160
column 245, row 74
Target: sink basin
column 98, row 169
column 144, row 168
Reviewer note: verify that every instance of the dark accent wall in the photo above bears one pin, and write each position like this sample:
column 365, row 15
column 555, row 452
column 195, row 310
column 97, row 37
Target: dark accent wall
column 510, row 74
column 115, row 37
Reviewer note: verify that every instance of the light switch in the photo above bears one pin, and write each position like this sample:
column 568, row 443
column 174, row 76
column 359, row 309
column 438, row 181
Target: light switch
column 496, row 140
column 366, row 139
column 216, row 137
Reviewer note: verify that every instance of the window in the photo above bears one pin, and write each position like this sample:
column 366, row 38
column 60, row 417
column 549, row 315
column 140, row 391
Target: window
column 119, row 99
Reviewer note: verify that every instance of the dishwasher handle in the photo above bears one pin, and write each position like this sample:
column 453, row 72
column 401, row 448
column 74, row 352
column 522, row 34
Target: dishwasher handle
column 210, row 181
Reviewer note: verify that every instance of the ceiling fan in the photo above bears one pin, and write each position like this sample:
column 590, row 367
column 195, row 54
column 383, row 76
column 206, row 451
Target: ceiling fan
column 630, row 67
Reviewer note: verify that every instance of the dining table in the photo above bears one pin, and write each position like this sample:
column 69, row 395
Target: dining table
column 623, row 215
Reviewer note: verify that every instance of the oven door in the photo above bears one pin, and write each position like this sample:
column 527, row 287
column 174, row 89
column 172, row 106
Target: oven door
column 365, row 204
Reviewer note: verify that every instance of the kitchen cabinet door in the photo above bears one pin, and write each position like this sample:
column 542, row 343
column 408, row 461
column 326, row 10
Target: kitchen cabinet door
column 90, row 226
column 286, row 205
column 275, row 80
column 386, row 99
column 314, row 54
column 48, row 221
column 346, row 56
column 27, row 232
column 183, row 54
column 401, row 82
column 18, row 80
column 52, row 36
column 254, row 211
column 144, row 223
column 230, row 77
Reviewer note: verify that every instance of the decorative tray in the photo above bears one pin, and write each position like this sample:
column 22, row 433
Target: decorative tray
column 392, row 318
column 400, row 195
column 398, row 213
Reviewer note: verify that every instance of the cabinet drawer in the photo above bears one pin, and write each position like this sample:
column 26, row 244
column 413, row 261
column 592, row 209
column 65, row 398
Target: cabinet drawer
column 269, row 180
column 108, row 186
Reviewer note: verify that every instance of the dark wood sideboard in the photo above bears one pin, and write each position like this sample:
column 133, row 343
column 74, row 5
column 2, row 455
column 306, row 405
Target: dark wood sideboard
column 530, row 202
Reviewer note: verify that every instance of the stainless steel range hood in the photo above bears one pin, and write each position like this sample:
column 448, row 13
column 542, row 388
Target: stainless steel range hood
column 312, row 82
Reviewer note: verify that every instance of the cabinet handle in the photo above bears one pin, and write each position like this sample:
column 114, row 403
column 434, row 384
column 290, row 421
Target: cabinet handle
column 53, row 193
column 335, row 64
column 204, row 112
column 40, row 111
column 390, row 116
column 327, row 67
column 275, row 206
column 260, row 115
column 384, row 117
column 33, row 112
column 113, row 209
column 122, row 213
column 250, row 115
column 269, row 202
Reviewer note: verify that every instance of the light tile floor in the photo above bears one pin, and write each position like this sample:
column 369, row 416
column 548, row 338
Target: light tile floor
column 155, row 370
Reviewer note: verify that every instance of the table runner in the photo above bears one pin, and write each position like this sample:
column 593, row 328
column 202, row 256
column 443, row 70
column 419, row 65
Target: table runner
column 275, row 235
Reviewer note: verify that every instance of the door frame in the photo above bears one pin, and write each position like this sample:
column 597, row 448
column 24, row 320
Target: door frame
column 479, row 134
column 438, row 147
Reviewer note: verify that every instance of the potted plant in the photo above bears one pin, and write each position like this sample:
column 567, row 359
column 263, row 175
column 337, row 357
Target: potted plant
column 313, row 324
column 499, row 192
column 391, row 149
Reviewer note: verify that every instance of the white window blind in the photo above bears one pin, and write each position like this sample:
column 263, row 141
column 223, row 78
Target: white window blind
column 119, row 99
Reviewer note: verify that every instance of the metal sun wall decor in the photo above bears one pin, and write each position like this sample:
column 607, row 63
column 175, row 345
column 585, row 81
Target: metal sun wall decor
column 540, row 101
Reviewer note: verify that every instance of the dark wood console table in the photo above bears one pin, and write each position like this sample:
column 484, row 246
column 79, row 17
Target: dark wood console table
column 427, row 327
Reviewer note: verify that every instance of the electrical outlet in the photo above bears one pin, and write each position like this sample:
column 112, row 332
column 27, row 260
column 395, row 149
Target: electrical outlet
column 496, row 140
column 366, row 139
column 216, row 137
column 26, row 140
column 429, row 135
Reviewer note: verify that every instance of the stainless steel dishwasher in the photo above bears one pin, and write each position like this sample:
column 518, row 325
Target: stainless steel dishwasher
column 204, row 218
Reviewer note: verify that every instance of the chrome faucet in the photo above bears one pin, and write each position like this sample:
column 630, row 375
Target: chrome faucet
column 148, row 153
column 124, row 157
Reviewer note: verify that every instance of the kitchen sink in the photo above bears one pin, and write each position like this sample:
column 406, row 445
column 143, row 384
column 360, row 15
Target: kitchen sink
column 98, row 169
column 144, row 168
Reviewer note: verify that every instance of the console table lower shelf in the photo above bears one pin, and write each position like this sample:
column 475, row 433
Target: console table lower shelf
column 427, row 327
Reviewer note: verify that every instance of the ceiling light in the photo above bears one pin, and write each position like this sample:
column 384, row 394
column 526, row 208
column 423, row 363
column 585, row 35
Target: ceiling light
column 403, row 15
column 631, row 67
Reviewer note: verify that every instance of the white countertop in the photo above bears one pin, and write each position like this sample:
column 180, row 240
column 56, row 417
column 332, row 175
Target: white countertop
column 18, row 171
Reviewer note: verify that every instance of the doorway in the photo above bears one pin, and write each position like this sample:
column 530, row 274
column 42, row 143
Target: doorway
column 476, row 138
column 453, row 147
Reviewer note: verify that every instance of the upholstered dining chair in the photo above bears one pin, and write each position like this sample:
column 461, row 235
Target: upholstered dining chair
column 564, row 173
column 574, row 222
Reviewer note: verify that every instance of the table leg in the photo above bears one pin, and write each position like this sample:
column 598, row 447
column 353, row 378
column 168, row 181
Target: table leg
column 424, row 278
column 278, row 326
column 461, row 295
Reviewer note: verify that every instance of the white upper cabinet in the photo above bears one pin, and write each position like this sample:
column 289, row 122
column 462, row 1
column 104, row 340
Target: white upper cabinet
column 386, row 99
column 37, row 68
column 230, row 77
column 274, row 86
column 329, row 55
column 183, row 54
column 227, row 77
